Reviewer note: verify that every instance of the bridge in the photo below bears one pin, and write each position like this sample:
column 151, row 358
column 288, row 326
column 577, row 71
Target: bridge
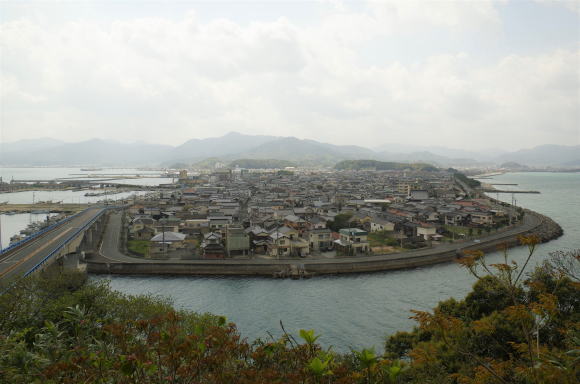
column 62, row 243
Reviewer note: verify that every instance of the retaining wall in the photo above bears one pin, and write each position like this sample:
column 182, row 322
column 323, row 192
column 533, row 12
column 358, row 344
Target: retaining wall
column 546, row 230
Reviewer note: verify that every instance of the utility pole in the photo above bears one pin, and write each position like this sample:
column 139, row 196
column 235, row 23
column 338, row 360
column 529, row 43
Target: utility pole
column 163, row 238
column 350, row 244
column 33, row 202
column 227, row 243
column 1, row 234
column 512, row 210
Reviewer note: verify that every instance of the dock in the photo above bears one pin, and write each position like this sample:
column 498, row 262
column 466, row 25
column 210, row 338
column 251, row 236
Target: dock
column 487, row 175
column 487, row 187
column 52, row 207
column 507, row 191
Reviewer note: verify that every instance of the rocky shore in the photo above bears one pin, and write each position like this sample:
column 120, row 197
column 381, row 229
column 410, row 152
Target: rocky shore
column 548, row 228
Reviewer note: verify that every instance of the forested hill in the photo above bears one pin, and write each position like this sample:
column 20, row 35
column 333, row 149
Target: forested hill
column 262, row 163
column 383, row 165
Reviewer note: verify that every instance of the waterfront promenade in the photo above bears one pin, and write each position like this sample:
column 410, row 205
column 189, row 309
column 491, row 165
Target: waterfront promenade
column 110, row 260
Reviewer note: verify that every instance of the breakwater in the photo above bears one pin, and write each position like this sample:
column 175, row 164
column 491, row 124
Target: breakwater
column 547, row 230
column 533, row 224
column 49, row 207
column 493, row 190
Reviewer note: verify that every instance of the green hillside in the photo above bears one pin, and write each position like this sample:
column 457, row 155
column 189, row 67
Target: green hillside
column 261, row 163
column 383, row 166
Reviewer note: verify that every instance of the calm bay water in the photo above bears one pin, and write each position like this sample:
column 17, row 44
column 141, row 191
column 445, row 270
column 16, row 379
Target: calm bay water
column 66, row 197
column 10, row 225
column 50, row 173
column 13, row 224
column 357, row 310
column 47, row 173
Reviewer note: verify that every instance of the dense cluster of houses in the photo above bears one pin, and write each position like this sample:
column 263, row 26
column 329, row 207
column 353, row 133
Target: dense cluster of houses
column 228, row 213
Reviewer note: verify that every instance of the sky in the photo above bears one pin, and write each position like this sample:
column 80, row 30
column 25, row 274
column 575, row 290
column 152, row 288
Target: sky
column 463, row 74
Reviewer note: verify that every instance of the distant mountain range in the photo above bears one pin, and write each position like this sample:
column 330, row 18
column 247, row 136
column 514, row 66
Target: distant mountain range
column 91, row 152
column 555, row 155
column 233, row 146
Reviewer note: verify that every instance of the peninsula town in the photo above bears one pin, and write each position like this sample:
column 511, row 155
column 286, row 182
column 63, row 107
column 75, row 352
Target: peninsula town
column 239, row 213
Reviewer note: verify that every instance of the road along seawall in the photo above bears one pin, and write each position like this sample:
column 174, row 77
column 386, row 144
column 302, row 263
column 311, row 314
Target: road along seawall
column 545, row 229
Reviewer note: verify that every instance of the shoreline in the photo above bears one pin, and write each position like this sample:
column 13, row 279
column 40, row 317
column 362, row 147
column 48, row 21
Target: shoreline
column 533, row 224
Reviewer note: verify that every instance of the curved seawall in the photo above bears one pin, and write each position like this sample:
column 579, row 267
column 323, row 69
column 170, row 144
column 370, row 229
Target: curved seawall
column 533, row 224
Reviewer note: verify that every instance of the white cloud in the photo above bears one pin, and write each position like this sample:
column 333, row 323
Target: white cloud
column 451, row 14
column 572, row 5
column 165, row 80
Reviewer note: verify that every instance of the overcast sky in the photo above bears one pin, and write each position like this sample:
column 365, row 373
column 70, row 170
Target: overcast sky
column 471, row 74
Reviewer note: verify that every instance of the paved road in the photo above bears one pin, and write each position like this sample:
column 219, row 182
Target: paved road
column 110, row 245
column 110, row 249
column 15, row 263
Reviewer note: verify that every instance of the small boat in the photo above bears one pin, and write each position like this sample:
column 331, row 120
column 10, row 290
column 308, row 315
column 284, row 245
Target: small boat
column 16, row 238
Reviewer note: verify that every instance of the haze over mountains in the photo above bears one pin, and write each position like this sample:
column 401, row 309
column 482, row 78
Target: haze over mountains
column 97, row 152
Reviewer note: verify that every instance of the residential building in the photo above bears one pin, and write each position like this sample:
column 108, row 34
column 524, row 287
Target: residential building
column 320, row 239
column 212, row 247
column 237, row 241
column 166, row 242
column 353, row 241
column 379, row 224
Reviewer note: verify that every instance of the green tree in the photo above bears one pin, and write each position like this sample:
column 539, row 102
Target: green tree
column 509, row 329
column 340, row 221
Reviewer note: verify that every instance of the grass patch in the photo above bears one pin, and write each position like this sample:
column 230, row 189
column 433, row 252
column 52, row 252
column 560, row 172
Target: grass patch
column 458, row 230
column 140, row 247
column 381, row 239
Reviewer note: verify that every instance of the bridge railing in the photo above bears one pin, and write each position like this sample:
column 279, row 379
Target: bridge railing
column 65, row 242
column 39, row 233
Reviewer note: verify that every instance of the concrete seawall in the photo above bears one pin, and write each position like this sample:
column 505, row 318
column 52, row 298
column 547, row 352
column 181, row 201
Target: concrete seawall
column 543, row 227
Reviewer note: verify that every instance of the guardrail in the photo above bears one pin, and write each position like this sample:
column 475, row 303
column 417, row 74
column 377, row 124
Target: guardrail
column 39, row 233
column 63, row 243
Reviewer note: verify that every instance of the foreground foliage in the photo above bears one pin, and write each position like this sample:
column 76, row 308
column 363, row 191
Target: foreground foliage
column 509, row 329
column 57, row 328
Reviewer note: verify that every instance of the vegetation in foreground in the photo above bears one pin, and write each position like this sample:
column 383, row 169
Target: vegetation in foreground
column 512, row 328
